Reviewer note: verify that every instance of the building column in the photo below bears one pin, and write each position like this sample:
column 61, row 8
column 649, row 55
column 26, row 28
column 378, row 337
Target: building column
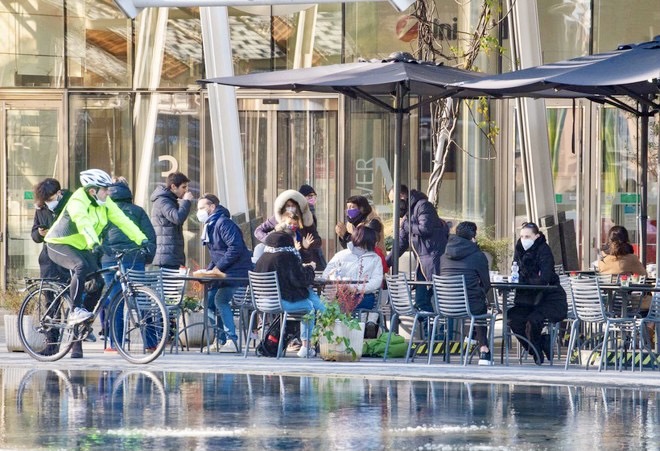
column 223, row 110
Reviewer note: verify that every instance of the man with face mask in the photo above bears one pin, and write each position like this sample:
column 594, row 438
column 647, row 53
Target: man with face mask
column 229, row 257
column 74, row 240
column 421, row 230
column 49, row 201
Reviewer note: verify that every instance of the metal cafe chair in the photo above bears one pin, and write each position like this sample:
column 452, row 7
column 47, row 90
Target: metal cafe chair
column 451, row 302
column 242, row 305
column 402, row 306
column 588, row 300
column 652, row 317
column 267, row 299
column 173, row 290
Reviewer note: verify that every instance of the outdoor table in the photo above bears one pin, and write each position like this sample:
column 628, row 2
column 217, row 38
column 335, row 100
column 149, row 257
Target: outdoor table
column 320, row 283
column 505, row 288
column 625, row 291
column 206, row 282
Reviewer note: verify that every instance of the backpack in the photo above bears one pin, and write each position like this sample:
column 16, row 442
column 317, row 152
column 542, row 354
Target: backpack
column 268, row 346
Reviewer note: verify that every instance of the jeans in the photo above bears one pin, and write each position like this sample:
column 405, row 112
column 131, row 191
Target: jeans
column 119, row 322
column 221, row 297
column 367, row 303
column 313, row 302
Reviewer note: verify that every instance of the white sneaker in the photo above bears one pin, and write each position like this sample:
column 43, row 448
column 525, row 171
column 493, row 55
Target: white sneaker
column 79, row 315
column 303, row 353
column 230, row 346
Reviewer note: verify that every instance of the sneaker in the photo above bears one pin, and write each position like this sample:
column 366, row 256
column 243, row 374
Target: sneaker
column 229, row 347
column 485, row 359
column 79, row 315
column 91, row 337
column 110, row 351
column 213, row 345
column 304, row 354
column 294, row 345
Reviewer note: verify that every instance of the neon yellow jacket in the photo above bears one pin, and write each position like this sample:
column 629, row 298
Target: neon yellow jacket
column 82, row 221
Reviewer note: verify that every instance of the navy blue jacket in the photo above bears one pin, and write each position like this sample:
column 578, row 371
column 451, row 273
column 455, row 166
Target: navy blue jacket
column 168, row 215
column 226, row 246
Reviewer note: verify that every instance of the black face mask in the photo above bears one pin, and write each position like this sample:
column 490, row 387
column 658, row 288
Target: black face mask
column 403, row 207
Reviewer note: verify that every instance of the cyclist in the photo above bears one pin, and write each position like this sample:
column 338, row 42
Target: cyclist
column 73, row 241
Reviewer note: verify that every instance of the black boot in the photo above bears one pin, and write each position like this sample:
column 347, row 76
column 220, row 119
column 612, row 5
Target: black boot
column 545, row 346
column 76, row 350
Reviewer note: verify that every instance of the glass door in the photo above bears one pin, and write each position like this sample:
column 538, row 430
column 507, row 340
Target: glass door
column 288, row 142
column 32, row 149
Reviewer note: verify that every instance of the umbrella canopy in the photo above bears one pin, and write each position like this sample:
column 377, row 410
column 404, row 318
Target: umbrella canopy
column 377, row 81
column 632, row 71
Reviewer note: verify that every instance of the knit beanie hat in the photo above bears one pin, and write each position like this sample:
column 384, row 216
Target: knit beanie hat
column 306, row 190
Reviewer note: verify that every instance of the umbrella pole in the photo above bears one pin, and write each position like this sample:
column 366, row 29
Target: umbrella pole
column 398, row 144
column 644, row 156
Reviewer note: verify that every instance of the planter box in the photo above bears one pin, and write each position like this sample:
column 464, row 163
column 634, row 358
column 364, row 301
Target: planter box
column 11, row 334
column 194, row 330
column 337, row 352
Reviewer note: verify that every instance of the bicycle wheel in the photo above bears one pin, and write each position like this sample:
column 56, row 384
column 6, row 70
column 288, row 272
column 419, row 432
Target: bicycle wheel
column 42, row 323
column 138, row 324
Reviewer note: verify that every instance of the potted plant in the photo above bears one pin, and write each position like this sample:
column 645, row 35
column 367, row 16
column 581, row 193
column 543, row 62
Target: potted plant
column 339, row 335
column 193, row 310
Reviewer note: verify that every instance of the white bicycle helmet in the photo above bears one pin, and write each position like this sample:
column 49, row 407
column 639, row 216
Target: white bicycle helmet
column 95, row 177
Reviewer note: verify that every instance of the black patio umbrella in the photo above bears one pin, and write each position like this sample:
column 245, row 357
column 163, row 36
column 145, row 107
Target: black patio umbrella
column 386, row 83
column 631, row 71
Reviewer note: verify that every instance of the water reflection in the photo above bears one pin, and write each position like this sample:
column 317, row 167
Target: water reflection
column 161, row 410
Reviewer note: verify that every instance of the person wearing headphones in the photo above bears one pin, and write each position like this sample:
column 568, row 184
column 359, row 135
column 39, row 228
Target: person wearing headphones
column 73, row 241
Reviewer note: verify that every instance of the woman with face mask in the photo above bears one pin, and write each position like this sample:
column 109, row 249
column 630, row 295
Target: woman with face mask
column 537, row 267
column 361, row 263
column 295, row 203
column 358, row 211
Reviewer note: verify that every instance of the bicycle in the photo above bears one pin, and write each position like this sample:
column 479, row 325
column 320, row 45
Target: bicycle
column 139, row 335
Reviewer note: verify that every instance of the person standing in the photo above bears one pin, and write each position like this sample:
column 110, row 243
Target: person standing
column 229, row 255
column 171, row 207
column 421, row 230
column 306, row 234
column 531, row 308
column 464, row 257
column 358, row 211
column 50, row 200
column 74, row 241
column 114, row 238
column 312, row 198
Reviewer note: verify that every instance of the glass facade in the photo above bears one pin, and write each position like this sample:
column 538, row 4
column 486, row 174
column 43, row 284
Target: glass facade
column 99, row 90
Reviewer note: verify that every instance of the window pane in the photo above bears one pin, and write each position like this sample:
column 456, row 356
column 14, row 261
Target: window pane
column 32, row 43
column 617, row 22
column 183, row 61
column 98, row 45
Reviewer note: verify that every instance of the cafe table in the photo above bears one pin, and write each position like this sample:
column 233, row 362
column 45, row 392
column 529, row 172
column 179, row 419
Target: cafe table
column 504, row 288
column 207, row 282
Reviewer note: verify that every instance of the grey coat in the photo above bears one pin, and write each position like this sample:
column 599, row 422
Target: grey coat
column 168, row 215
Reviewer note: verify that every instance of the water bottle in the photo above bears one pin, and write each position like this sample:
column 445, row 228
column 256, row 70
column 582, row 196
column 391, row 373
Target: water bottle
column 515, row 275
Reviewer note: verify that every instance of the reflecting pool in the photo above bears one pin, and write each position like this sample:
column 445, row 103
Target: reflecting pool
column 141, row 410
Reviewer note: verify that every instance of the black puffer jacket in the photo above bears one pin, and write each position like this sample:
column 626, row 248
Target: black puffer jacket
column 280, row 255
column 463, row 256
column 45, row 218
column 168, row 215
column 537, row 267
column 116, row 239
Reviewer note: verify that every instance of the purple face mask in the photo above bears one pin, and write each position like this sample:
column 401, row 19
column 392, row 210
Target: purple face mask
column 352, row 213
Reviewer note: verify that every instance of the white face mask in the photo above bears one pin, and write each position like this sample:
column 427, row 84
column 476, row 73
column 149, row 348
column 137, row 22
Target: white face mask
column 526, row 243
column 202, row 216
column 99, row 201
column 291, row 209
column 52, row 205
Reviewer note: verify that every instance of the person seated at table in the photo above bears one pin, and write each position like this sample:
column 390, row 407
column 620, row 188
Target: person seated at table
column 464, row 257
column 532, row 307
column 294, row 202
column 358, row 211
column 361, row 263
column 618, row 256
column 229, row 256
column 294, row 278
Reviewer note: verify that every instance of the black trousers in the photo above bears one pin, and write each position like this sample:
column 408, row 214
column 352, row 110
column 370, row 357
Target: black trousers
column 528, row 321
column 81, row 263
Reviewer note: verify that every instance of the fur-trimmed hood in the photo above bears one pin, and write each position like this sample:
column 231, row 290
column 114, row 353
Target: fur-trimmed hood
column 307, row 217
